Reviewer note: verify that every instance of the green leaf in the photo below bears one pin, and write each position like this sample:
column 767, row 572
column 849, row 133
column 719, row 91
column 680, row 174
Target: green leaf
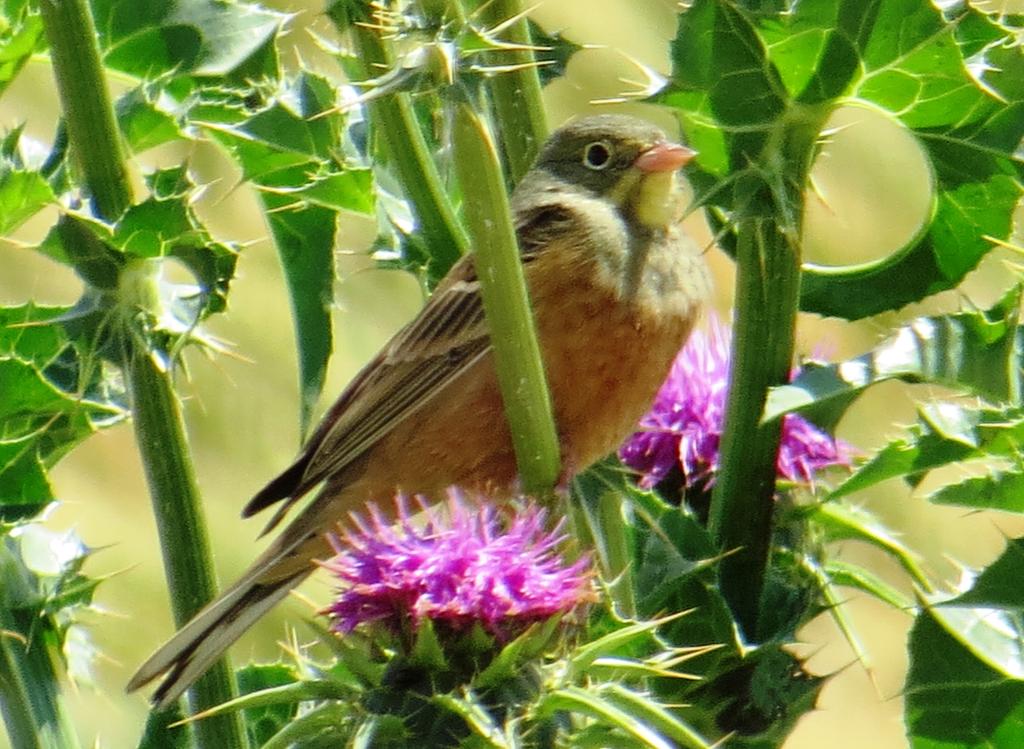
column 202, row 37
column 598, row 707
column 305, row 243
column 728, row 130
column 21, row 35
column 50, row 401
column 164, row 225
column 755, row 700
column 148, row 117
column 23, row 191
column 653, row 714
column 554, row 53
column 862, row 579
column 599, row 492
column 511, row 659
column 960, row 695
column 624, row 637
column 328, row 722
column 998, row 490
column 264, row 720
column 947, row 434
column 290, row 149
column 476, row 717
column 978, row 351
column 969, row 127
column 772, row 76
column 427, row 651
column 998, row 586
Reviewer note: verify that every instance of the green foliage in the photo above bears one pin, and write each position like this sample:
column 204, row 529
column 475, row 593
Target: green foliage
column 469, row 690
column 974, row 351
column 44, row 595
column 52, row 399
column 21, row 33
column 291, row 149
column 965, row 687
column 950, row 77
column 202, row 38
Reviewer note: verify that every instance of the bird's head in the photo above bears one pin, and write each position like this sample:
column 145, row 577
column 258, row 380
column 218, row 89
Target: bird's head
column 622, row 159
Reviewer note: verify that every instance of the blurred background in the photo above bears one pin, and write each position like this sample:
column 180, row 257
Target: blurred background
column 871, row 190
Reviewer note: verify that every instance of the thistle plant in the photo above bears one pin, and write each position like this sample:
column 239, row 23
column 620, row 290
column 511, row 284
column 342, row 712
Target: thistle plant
column 417, row 117
column 454, row 626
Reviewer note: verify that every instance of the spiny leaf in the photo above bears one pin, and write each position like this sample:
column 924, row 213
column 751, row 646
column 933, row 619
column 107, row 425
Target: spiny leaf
column 974, row 350
column 203, row 38
column 290, row 148
column 728, row 130
column 331, row 721
column 24, row 189
column 598, row 707
column 969, row 127
column 264, row 720
column 556, row 49
column 854, row 576
column 164, row 225
column 50, row 401
column 149, row 116
column 998, row 585
column 948, row 434
column 476, row 717
column 965, row 686
column 772, row 77
column 997, row 490
column 21, row 34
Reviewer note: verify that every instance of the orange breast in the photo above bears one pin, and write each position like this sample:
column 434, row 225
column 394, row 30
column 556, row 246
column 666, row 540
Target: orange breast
column 604, row 362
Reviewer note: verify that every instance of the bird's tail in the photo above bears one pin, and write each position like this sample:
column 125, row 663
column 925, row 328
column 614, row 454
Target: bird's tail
column 201, row 642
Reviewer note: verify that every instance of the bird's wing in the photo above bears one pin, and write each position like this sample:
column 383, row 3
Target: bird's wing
column 447, row 337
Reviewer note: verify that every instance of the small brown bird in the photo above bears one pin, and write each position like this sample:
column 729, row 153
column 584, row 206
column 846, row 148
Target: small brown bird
column 615, row 288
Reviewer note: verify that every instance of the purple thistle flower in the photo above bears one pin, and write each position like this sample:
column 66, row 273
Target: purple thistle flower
column 684, row 426
column 465, row 570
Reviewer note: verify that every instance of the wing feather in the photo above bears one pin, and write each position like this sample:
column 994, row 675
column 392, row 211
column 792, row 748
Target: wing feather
column 449, row 335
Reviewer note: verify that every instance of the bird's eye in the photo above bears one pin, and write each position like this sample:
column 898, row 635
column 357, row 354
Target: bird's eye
column 597, row 155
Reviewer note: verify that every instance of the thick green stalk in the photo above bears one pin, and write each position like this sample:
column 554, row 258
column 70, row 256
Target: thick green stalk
column 516, row 92
column 743, row 499
column 769, row 218
column 92, row 129
column 407, row 148
column 506, row 304
column 188, row 561
column 159, row 427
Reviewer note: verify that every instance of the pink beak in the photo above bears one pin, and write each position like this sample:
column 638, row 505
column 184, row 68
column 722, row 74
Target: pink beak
column 664, row 157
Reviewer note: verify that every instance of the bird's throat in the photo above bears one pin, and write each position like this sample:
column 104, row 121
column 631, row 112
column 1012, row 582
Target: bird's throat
column 655, row 200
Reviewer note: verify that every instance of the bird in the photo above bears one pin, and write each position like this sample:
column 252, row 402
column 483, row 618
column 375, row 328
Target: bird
column 615, row 287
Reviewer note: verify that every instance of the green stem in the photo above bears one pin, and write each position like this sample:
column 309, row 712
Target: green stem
column 769, row 206
column 407, row 148
column 516, row 93
column 85, row 100
column 188, row 561
column 159, row 427
column 742, row 503
column 506, row 304
column 14, row 702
